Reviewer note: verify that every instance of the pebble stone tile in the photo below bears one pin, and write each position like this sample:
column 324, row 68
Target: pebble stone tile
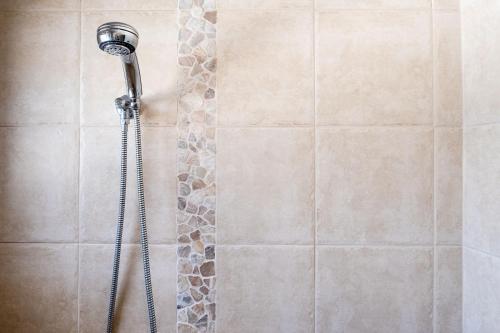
column 196, row 167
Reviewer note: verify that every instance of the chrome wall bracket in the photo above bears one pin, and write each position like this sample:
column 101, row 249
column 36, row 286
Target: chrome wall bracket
column 125, row 107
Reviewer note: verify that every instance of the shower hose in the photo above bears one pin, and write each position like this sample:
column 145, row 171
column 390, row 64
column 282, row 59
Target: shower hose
column 142, row 222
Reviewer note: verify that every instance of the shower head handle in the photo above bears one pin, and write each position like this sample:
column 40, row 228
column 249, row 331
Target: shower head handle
column 121, row 39
column 132, row 76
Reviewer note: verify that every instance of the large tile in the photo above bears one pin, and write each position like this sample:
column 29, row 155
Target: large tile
column 131, row 312
column 99, row 184
column 129, row 5
column 40, row 67
column 447, row 69
column 448, row 293
column 481, row 190
column 38, row 184
column 374, row 67
column 374, row 290
column 481, row 292
column 448, row 175
column 375, row 185
column 372, row 4
column 19, row 5
column 266, row 68
column 480, row 26
column 38, row 288
column 265, row 289
column 263, row 4
column 265, row 180
column 102, row 77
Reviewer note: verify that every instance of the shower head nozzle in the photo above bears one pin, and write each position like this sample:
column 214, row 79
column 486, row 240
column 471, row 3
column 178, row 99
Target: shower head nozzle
column 117, row 38
column 120, row 39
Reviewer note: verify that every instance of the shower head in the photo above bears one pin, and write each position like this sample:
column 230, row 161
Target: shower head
column 121, row 39
column 117, row 38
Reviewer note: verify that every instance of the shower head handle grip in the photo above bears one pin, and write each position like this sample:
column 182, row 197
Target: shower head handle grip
column 132, row 76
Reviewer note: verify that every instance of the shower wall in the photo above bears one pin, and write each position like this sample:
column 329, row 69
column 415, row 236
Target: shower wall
column 339, row 166
column 59, row 166
column 481, row 47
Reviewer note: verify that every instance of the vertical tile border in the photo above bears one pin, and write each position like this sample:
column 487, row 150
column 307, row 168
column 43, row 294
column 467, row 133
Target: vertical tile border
column 196, row 166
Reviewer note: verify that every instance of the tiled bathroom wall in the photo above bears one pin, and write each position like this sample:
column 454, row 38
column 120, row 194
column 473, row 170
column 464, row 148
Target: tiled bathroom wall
column 59, row 164
column 480, row 22
column 338, row 166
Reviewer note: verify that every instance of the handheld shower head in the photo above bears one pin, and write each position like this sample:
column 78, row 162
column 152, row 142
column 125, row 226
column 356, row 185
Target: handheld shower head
column 121, row 39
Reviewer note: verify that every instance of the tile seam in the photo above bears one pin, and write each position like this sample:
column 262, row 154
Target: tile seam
column 315, row 165
column 434, row 168
column 78, row 120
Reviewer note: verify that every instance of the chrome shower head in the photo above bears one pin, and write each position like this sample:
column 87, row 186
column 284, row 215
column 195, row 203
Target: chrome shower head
column 117, row 38
column 121, row 39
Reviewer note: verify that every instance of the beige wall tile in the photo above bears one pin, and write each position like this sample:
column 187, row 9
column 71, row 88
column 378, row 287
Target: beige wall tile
column 446, row 4
column 447, row 69
column 263, row 4
column 19, row 5
column 448, row 175
column 374, row 67
column 102, row 77
column 265, row 181
column 38, row 288
column 131, row 312
column 374, row 290
column 38, row 182
column 266, row 71
column 481, row 190
column 40, row 67
column 99, row 184
column 372, row 4
column 129, row 5
column 265, row 289
column 480, row 26
column 481, row 292
column 375, row 185
column 448, row 293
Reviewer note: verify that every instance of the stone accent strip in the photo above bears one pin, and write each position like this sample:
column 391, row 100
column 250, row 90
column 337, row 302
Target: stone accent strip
column 196, row 167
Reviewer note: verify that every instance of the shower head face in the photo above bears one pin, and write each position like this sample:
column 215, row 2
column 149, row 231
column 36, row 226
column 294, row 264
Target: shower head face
column 117, row 38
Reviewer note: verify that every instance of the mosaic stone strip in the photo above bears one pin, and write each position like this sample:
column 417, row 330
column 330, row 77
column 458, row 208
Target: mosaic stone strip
column 196, row 167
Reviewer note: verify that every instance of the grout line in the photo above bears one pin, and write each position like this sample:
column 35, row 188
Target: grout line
column 35, row 125
column 434, row 167
column 462, row 96
column 324, row 10
column 462, row 87
column 79, row 167
column 315, row 165
column 318, row 126
column 425, row 126
column 284, row 126
column 83, row 244
column 451, row 245
column 77, row 123
column 118, row 126
column 248, row 245
column 41, row 11
column 139, row 11
column 382, row 246
column 472, row 126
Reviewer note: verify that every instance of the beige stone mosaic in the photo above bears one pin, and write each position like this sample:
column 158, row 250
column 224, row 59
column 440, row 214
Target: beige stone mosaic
column 196, row 167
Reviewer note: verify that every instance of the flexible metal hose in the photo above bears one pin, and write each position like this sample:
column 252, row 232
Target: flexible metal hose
column 119, row 227
column 142, row 221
